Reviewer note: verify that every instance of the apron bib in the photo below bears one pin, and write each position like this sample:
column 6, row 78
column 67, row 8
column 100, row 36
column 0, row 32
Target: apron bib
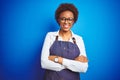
column 67, row 50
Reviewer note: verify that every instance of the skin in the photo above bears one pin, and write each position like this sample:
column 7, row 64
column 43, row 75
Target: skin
column 65, row 27
column 66, row 34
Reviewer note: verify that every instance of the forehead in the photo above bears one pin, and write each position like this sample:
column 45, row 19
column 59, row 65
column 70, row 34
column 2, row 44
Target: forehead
column 66, row 14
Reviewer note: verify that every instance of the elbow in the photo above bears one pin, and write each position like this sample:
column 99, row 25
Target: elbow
column 82, row 69
column 43, row 64
column 85, row 68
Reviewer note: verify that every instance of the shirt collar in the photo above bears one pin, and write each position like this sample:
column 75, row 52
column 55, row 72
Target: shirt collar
column 57, row 33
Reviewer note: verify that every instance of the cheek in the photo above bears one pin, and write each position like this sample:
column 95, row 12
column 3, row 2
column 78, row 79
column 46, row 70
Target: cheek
column 71, row 24
column 61, row 24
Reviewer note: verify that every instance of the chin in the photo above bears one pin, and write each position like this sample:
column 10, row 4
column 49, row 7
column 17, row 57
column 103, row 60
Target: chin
column 66, row 30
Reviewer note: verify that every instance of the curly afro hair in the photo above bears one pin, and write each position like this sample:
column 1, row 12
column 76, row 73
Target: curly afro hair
column 66, row 7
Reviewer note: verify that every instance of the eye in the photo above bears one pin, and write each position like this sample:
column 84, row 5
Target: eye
column 70, row 19
column 63, row 18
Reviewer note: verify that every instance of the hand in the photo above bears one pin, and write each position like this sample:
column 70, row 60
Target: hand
column 81, row 58
column 52, row 58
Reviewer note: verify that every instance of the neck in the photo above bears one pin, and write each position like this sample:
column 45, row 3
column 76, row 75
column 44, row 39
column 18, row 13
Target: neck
column 66, row 35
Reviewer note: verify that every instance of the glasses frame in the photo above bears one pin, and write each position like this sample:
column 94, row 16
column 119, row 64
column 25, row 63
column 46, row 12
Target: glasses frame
column 69, row 20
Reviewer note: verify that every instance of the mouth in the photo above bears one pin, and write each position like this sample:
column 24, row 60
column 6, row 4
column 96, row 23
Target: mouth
column 65, row 26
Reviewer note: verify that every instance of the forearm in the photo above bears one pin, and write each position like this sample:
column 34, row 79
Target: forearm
column 48, row 64
column 75, row 66
column 80, row 64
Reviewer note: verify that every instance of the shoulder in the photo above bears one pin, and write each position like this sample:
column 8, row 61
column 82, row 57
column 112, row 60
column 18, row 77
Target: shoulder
column 51, row 34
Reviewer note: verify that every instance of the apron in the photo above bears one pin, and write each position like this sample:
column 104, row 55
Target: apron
column 67, row 50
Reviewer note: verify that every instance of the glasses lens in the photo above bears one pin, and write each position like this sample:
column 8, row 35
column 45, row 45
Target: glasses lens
column 66, row 19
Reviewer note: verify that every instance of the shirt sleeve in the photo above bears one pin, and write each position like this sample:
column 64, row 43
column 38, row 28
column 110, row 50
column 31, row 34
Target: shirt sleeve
column 45, row 62
column 77, row 66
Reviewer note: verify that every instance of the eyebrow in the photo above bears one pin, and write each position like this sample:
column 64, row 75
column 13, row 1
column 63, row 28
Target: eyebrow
column 65, row 17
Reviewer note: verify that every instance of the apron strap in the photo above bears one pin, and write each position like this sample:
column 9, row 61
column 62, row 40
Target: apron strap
column 74, row 40
column 56, row 38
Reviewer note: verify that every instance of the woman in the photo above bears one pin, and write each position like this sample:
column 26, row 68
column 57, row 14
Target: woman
column 63, row 53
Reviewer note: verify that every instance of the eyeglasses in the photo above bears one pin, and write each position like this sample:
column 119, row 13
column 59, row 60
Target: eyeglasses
column 69, row 20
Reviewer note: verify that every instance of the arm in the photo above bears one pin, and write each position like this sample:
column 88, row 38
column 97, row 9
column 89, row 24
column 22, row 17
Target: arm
column 79, row 64
column 45, row 62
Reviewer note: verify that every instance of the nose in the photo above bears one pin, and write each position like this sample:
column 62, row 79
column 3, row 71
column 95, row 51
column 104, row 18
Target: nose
column 66, row 21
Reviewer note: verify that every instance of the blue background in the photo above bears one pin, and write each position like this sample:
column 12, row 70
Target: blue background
column 24, row 24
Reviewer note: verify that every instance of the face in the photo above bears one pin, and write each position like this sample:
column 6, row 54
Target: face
column 66, row 20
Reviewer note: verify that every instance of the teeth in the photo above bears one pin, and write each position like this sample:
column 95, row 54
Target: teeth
column 66, row 26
